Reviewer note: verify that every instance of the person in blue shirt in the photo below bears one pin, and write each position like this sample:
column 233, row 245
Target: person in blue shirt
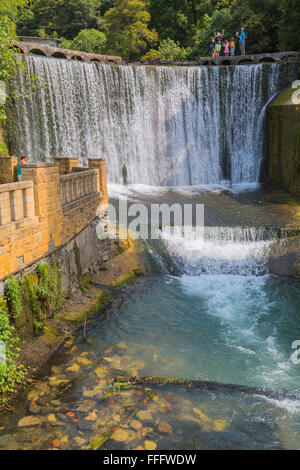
column 22, row 161
column 242, row 37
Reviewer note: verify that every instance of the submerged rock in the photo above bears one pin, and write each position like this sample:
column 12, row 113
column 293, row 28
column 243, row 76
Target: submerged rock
column 123, row 435
column 28, row 421
column 164, row 428
column 150, row 445
column 34, row 409
column 5, row 441
column 86, row 407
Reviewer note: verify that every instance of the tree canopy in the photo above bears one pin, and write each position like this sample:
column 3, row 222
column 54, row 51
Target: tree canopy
column 137, row 28
column 8, row 58
column 64, row 17
column 289, row 38
column 127, row 30
column 89, row 40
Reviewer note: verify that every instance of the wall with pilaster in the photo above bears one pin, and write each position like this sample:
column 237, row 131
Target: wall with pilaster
column 44, row 211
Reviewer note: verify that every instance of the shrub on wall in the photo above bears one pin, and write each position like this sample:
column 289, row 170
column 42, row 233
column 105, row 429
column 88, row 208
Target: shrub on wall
column 46, row 296
column 11, row 373
column 13, row 295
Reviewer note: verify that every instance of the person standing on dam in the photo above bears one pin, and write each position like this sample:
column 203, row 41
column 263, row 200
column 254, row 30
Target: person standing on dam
column 232, row 47
column 124, row 174
column 242, row 37
column 218, row 41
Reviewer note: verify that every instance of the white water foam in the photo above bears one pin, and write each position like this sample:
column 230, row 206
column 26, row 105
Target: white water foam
column 224, row 250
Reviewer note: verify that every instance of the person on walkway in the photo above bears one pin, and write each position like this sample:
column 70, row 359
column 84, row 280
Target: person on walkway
column 226, row 47
column 232, row 47
column 212, row 46
column 218, row 40
column 242, row 37
column 22, row 161
column 124, row 174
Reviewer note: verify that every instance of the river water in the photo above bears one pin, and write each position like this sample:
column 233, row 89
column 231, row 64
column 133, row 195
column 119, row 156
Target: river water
column 212, row 316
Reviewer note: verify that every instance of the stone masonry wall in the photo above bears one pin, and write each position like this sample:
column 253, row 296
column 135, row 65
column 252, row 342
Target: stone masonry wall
column 45, row 211
column 8, row 169
column 283, row 126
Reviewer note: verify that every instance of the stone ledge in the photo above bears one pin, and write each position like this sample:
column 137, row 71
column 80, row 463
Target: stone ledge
column 15, row 186
column 71, row 205
column 11, row 228
column 41, row 165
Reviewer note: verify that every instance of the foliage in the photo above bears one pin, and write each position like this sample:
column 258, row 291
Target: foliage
column 14, row 297
column 174, row 19
column 135, row 28
column 151, row 55
column 89, row 40
column 46, row 297
column 65, row 43
column 11, row 373
column 65, row 17
column 168, row 50
column 289, row 39
column 262, row 35
column 8, row 57
column 36, row 308
column 171, row 50
column 49, row 289
column 127, row 30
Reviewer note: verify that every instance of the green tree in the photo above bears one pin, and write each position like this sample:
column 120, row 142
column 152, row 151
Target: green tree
column 174, row 19
column 262, row 34
column 171, row 50
column 65, row 17
column 8, row 56
column 127, row 30
column 89, row 40
column 289, row 38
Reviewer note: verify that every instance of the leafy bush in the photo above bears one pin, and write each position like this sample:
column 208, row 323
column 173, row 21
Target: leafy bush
column 171, row 50
column 89, row 40
column 11, row 373
column 49, row 289
column 151, row 55
column 14, row 298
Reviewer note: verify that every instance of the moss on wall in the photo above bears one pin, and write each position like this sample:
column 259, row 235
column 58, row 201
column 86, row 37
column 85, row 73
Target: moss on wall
column 3, row 144
column 283, row 126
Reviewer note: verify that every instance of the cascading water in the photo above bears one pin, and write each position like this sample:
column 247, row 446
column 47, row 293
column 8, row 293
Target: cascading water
column 221, row 250
column 168, row 125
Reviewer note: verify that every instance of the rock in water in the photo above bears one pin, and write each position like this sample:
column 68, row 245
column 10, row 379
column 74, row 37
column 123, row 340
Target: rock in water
column 28, row 421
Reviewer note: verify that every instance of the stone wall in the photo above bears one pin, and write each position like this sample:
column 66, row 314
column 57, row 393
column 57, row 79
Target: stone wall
column 8, row 169
column 46, row 210
column 81, row 197
column 283, row 127
column 66, row 165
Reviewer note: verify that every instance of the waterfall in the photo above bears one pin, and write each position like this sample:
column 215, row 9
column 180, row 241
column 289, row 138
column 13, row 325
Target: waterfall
column 170, row 126
column 222, row 250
